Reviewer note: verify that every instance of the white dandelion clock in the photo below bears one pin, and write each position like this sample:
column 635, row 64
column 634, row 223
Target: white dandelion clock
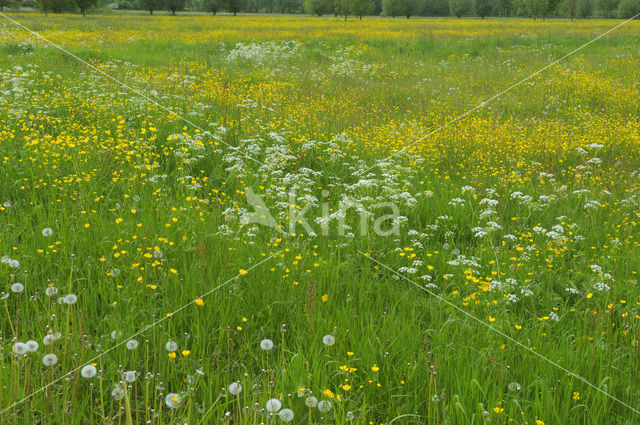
column 235, row 388
column 311, row 401
column 171, row 346
column 172, row 400
column 49, row 359
column 130, row 376
column 51, row 291
column 324, row 406
column 328, row 340
column 89, row 371
column 116, row 334
column 273, row 405
column 32, row 346
column 514, row 387
column 51, row 337
column 20, row 348
column 16, row 288
column 286, row 415
column 47, row 231
column 117, row 393
column 132, row 344
column 70, row 299
column 266, row 344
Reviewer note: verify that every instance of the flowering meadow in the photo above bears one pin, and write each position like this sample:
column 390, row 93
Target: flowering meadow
column 262, row 220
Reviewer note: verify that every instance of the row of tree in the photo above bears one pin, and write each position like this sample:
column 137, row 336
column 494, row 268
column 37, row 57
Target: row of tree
column 481, row 8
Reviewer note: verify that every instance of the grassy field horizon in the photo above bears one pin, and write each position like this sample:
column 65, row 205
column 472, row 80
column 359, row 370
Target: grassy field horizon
column 271, row 219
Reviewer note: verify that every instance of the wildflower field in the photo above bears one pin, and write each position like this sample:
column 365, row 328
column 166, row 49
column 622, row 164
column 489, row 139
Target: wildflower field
column 260, row 220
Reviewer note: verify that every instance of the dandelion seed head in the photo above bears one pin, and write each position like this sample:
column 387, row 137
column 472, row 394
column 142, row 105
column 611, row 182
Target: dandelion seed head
column 130, row 375
column 286, row 415
column 266, row 344
column 273, row 405
column 70, row 299
column 89, row 371
column 235, row 388
column 49, row 359
column 20, row 348
column 32, row 346
column 328, row 340
column 172, row 400
column 324, row 406
column 311, row 401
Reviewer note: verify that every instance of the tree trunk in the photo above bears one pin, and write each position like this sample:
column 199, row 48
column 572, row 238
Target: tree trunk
column 235, row 13
column 150, row 11
column 345, row 18
column 84, row 13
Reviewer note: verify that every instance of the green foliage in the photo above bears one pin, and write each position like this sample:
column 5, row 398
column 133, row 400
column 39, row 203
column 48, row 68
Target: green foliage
column 482, row 8
column 318, row 7
column 151, row 5
column 361, row 8
column 212, row 6
column 56, row 6
column 9, row 4
column 392, row 8
column 608, row 7
column 585, row 8
column 459, row 8
column 235, row 6
column 83, row 5
column 435, row 8
column 342, row 7
column 628, row 8
column 175, row 5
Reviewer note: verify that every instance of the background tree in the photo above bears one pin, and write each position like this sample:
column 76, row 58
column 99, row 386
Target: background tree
column 411, row 8
column 235, row 6
column 318, row 7
column 608, row 7
column 585, row 8
column 342, row 8
column 151, row 5
column 435, row 8
column 628, row 8
column 536, row 8
column 392, row 8
column 503, row 7
column 572, row 8
column 175, row 5
column 83, row 5
column 549, row 8
column 483, row 8
column 459, row 8
column 213, row 6
column 361, row 8
column 9, row 3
